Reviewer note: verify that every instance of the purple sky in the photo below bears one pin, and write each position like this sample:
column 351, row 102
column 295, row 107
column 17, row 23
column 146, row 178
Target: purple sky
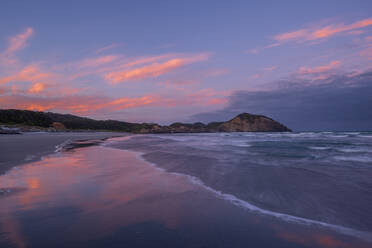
column 165, row 61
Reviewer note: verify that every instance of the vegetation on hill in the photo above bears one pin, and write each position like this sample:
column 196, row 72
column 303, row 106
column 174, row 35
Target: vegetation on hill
column 241, row 123
column 46, row 119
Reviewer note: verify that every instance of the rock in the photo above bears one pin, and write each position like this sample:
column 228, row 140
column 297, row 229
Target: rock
column 58, row 126
column 252, row 123
column 7, row 130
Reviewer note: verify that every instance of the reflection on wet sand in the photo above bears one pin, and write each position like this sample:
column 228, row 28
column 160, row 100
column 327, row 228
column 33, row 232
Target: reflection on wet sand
column 310, row 238
column 95, row 194
column 91, row 181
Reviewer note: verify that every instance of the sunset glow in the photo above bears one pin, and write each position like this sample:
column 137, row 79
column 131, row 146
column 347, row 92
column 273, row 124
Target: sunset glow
column 123, row 74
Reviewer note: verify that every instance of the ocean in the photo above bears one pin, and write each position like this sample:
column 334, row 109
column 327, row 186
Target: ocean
column 300, row 189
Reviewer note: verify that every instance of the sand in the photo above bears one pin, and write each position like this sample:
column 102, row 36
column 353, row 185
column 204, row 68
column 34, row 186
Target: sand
column 29, row 147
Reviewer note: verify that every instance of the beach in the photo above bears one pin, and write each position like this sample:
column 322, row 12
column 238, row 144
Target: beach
column 17, row 149
column 110, row 195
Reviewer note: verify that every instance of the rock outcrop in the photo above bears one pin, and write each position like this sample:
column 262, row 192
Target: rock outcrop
column 241, row 123
column 253, row 123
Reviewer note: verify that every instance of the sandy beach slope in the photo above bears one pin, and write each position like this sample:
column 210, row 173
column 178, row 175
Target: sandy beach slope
column 29, row 147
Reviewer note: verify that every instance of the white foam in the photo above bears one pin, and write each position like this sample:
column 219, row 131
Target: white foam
column 363, row 159
column 354, row 150
column 366, row 136
column 63, row 144
column 320, row 147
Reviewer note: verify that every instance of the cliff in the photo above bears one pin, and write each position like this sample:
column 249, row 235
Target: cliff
column 62, row 122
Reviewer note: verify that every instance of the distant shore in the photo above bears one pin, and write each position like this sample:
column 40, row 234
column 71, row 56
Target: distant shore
column 31, row 146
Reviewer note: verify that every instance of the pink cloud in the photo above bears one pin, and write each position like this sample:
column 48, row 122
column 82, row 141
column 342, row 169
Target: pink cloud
column 319, row 69
column 31, row 73
column 294, row 35
column 322, row 32
column 146, row 60
column 99, row 61
column 153, row 70
column 127, row 102
column 101, row 66
column 317, row 74
column 115, row 68
column 45, row 82
column 15, row 44
column 19, row 41
column 36, row 88
column 105, row 48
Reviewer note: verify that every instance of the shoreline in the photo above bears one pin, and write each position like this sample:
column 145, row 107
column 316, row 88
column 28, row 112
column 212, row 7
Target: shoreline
column 18, row 150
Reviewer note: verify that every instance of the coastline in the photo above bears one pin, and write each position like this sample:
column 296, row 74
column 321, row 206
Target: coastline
column 17, row 150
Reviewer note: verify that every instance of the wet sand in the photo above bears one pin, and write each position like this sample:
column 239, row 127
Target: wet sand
column 28, row 147
column 105, row 197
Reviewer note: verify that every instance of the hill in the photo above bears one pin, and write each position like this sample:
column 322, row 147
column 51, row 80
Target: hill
column 52, row 121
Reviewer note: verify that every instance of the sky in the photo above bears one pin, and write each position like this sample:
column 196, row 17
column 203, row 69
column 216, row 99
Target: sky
column 307, row 64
